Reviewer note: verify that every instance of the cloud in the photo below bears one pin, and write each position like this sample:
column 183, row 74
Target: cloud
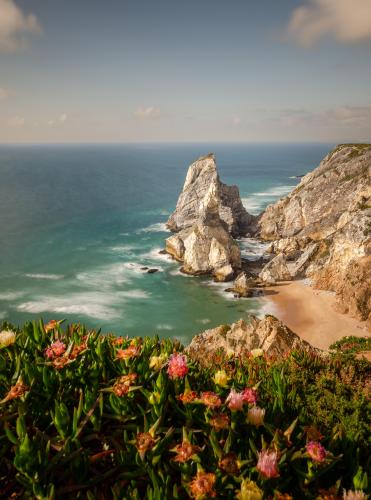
column 345, row 20
column 356, row 117
column 17, row 121
column 147, row 113
column 15, row 27
column 5, row 93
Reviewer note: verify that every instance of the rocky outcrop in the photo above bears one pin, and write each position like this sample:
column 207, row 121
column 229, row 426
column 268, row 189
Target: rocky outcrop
column 243, row 285
column 326, row 219
column 206, row 247
column 201, row 175
column 239, row 339
column 275, row 270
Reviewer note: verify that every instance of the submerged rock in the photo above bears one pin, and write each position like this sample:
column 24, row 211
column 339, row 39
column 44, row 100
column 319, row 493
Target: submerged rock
column 239, row 339
column 201, row 175
column 275, row 270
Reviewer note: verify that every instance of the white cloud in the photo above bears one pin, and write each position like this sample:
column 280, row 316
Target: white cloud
column 147, row 113
column 5, row 93
column 17, row 121
column 345, row 20
column 15, row 26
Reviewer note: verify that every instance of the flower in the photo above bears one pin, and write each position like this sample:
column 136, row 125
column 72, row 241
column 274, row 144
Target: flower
column 316, row 451
column 210, row 399
column 229, row 464
column 187, row 397
column 51, row 325
column 118, row 341
column 157, row 362
column 257, row 353
column 60, row 362
column 221, row 378
column 235, row 400
column 219, row 421
column 130, row 352
column 56, row 349
column 185, row 451
column 122, row 385
column 77, row 349
column 255, row 416
column 7, row 338
column 16, row 391
column 354, row 495
column 249, row 491
column 202, row 485
column 177, row 365
column 268, row 464
column 144, row 442
column 250, row 395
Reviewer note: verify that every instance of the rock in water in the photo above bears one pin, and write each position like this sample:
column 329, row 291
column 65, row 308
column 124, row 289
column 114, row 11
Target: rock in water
column 201, row 175
column 328, row 214
column 275, row 270
column 243, row 285
column 207, row 247
column 268, row 334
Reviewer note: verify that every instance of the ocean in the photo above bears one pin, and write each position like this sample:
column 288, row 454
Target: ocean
column 78, row 222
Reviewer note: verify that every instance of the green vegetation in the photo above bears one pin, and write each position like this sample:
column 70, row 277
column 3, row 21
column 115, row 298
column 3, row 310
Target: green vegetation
column 351, row 344
column 84, row 415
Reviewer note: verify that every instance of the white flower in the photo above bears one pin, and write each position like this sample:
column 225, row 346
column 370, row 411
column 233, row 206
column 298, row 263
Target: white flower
column 7, row 337
column 354, row 495
column 256, row 353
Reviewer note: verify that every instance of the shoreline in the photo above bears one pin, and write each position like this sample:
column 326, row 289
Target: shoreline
column 310, row 313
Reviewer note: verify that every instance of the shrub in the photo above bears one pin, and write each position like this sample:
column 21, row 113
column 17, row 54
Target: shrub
column 90, row 416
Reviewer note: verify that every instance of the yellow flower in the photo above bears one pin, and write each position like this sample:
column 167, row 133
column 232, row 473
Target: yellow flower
column 7, row 337
column 221, row 378
column 157, row 362
column 249, row 491
column 256, row 353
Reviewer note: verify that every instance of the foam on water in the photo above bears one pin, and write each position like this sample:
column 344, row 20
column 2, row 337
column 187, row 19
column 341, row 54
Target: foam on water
column 164, row 326
column 157, row 227
column 11, row 295
column 256, row 202
column 252, row 249
column 44, row 276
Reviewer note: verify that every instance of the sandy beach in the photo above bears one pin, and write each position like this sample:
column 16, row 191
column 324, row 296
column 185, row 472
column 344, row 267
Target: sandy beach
column 310, row 313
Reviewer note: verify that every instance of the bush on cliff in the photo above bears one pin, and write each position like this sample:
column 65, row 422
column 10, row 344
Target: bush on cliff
column 84, row 415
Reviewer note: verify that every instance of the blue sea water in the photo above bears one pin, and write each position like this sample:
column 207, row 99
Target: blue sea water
column 78, row 222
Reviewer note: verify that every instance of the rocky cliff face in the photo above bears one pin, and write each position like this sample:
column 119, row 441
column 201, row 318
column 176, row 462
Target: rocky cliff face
column 268, row 334
column 201, row 175
column 324, row 226
column 207, row 216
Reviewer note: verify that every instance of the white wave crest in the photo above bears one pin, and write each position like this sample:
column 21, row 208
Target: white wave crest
column 157, row 227
column 256, row 202
column 164, row 326
column 11, row 295
column 44, row 276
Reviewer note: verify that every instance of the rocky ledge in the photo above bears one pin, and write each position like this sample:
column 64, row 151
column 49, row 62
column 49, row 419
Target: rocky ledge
column 322, row 229
column 268, row 335
column 207, row 217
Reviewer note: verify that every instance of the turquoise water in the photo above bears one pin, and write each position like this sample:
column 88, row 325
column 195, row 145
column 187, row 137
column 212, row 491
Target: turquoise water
column 77, row 223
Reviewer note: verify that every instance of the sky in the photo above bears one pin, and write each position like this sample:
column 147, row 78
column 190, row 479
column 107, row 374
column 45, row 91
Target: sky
column 185, row 71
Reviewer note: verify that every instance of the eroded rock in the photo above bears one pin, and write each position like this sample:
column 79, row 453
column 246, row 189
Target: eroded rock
column 275, row 270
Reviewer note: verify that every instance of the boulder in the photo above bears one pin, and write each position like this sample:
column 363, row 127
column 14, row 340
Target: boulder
column 275, row 270
column 298, row 267
column 243, row 285
column 201, row 175
column 239, row 339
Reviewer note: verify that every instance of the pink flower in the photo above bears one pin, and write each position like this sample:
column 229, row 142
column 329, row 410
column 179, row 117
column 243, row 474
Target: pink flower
column 56, row 349
column 177, row 366
column 316, row 451
column 268, row 464
column 235, row 400
column 250, row 396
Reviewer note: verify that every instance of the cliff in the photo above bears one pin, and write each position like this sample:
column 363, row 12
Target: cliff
column 324, row 227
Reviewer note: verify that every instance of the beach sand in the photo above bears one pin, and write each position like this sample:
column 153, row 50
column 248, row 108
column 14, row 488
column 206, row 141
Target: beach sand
column 310, row 313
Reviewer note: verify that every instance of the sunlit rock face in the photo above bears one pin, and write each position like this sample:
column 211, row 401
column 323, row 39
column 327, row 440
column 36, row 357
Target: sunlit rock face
column 325, row 225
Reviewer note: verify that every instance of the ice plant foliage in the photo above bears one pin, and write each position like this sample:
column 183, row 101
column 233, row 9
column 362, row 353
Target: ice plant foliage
column 268, row 464
column 83, row 414
column 316, row 451
column 177, row 366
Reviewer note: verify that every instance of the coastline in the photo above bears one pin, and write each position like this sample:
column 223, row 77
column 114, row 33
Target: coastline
column 310, row 313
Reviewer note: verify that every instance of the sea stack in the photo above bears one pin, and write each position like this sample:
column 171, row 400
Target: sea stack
column 207, row 217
